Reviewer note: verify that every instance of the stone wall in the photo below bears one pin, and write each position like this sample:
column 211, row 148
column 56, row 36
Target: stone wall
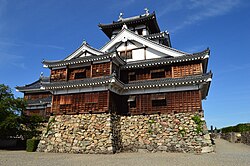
column 85, row 133
column 245, row 137
column 236, row 137
column 109, row 133
column 169, row 132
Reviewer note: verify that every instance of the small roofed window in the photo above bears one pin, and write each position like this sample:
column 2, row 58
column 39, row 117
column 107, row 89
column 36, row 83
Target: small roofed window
column 158, row 100
column 126, row 54
column 132, row 102
column 80, row 75
column 160, row 73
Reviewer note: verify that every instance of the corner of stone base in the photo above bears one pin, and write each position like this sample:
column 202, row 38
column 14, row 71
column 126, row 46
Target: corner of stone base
column 207, row 149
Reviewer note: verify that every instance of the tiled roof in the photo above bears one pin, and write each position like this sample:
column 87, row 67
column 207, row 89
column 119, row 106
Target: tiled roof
column 84, row 44
column 130, row 20
column 88, row 82
column 149, row 19
column 169, row 60
column 82, row 60
column 78, row 83
column 156, row 35
column 40, row 101
column 33, row 86
column 169, row 81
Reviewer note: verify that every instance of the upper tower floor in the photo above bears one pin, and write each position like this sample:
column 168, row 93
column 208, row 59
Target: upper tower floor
column 145, row 25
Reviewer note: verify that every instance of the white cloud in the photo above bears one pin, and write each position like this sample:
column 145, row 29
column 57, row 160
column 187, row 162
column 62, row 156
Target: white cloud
column 205, row 9
column 7, row 59
column 193, row 11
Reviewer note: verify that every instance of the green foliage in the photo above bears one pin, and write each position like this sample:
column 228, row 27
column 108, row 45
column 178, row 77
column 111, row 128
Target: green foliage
column 10, row 109
column 237, row 128
column 31, row 145
column 197, row 120
column 51, row 121
column 12, row 120
column 151, row 129
column 30, row 125
column 182, row 132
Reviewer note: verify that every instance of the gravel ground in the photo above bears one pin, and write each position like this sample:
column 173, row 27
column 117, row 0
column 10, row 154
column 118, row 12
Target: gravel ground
column 226, row 154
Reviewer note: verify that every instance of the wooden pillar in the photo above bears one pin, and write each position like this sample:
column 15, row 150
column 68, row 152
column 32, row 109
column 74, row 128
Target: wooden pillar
column 201, row 67
column 172, row 71
column 110, row 66
column 67, row 73
column 145, row 50
column 91, row 69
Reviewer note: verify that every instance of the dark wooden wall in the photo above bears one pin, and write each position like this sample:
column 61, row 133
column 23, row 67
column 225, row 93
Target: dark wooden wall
column 102, row 69
column 39, row 112
column 176, row 71
column 58, row 75
column 96, row 102
column 183, row 70
column 34, row 96
column 118, row 104
column 186, row 101
column 95, row 70
column 72, row 72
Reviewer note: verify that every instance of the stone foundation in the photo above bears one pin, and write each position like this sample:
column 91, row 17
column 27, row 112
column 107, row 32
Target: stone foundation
column 85, row 133
column 169, row 132
column 107, row 133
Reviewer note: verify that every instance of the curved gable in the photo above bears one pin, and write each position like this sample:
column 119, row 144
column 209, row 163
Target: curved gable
column 82, row 51
column 126, row 35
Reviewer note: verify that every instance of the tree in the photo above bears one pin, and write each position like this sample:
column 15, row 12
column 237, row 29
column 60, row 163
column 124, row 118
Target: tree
column 13, row 121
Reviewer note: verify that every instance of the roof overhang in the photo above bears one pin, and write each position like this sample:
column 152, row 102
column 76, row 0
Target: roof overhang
column 83, row 60
column 148, row 20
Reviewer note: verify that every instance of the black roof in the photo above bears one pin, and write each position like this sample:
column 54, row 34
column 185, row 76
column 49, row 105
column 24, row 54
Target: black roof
column 170, row 81
column 33, row 86
column 40, row 101
column 80, row 60
column 75, row 83
column 149, row 20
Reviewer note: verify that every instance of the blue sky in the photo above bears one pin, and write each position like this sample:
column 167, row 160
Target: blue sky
column 33, row 30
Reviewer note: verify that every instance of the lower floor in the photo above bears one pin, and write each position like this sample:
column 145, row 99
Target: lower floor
column 107, row 101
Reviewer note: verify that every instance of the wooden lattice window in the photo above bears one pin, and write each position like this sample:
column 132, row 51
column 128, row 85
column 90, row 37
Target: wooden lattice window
column 80, row 75
column 159, row 73
column 126, row 54
column 132, row 102
column 158, row 100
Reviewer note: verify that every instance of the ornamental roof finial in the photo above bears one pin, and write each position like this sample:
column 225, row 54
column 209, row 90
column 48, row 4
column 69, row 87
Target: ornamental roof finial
column 84, row 42
column 120, row 16
column 41, row 74
column 146, row 11
column 124, row 26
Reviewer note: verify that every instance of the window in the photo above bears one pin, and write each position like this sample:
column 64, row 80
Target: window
column 158, row 100
column 131, row 76
column 126, row 54
column 156, row 103
column 139, row 31
column 80, row 75
column 160, row 73
column 132, row 102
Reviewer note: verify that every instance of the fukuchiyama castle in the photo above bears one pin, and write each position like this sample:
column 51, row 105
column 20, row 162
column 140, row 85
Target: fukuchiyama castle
column 136, row 93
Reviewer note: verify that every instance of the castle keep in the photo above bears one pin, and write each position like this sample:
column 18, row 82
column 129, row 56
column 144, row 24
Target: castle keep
column 136, row 93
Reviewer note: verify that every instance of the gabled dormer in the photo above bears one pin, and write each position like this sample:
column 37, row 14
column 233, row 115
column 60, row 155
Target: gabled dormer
column 84, row 50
